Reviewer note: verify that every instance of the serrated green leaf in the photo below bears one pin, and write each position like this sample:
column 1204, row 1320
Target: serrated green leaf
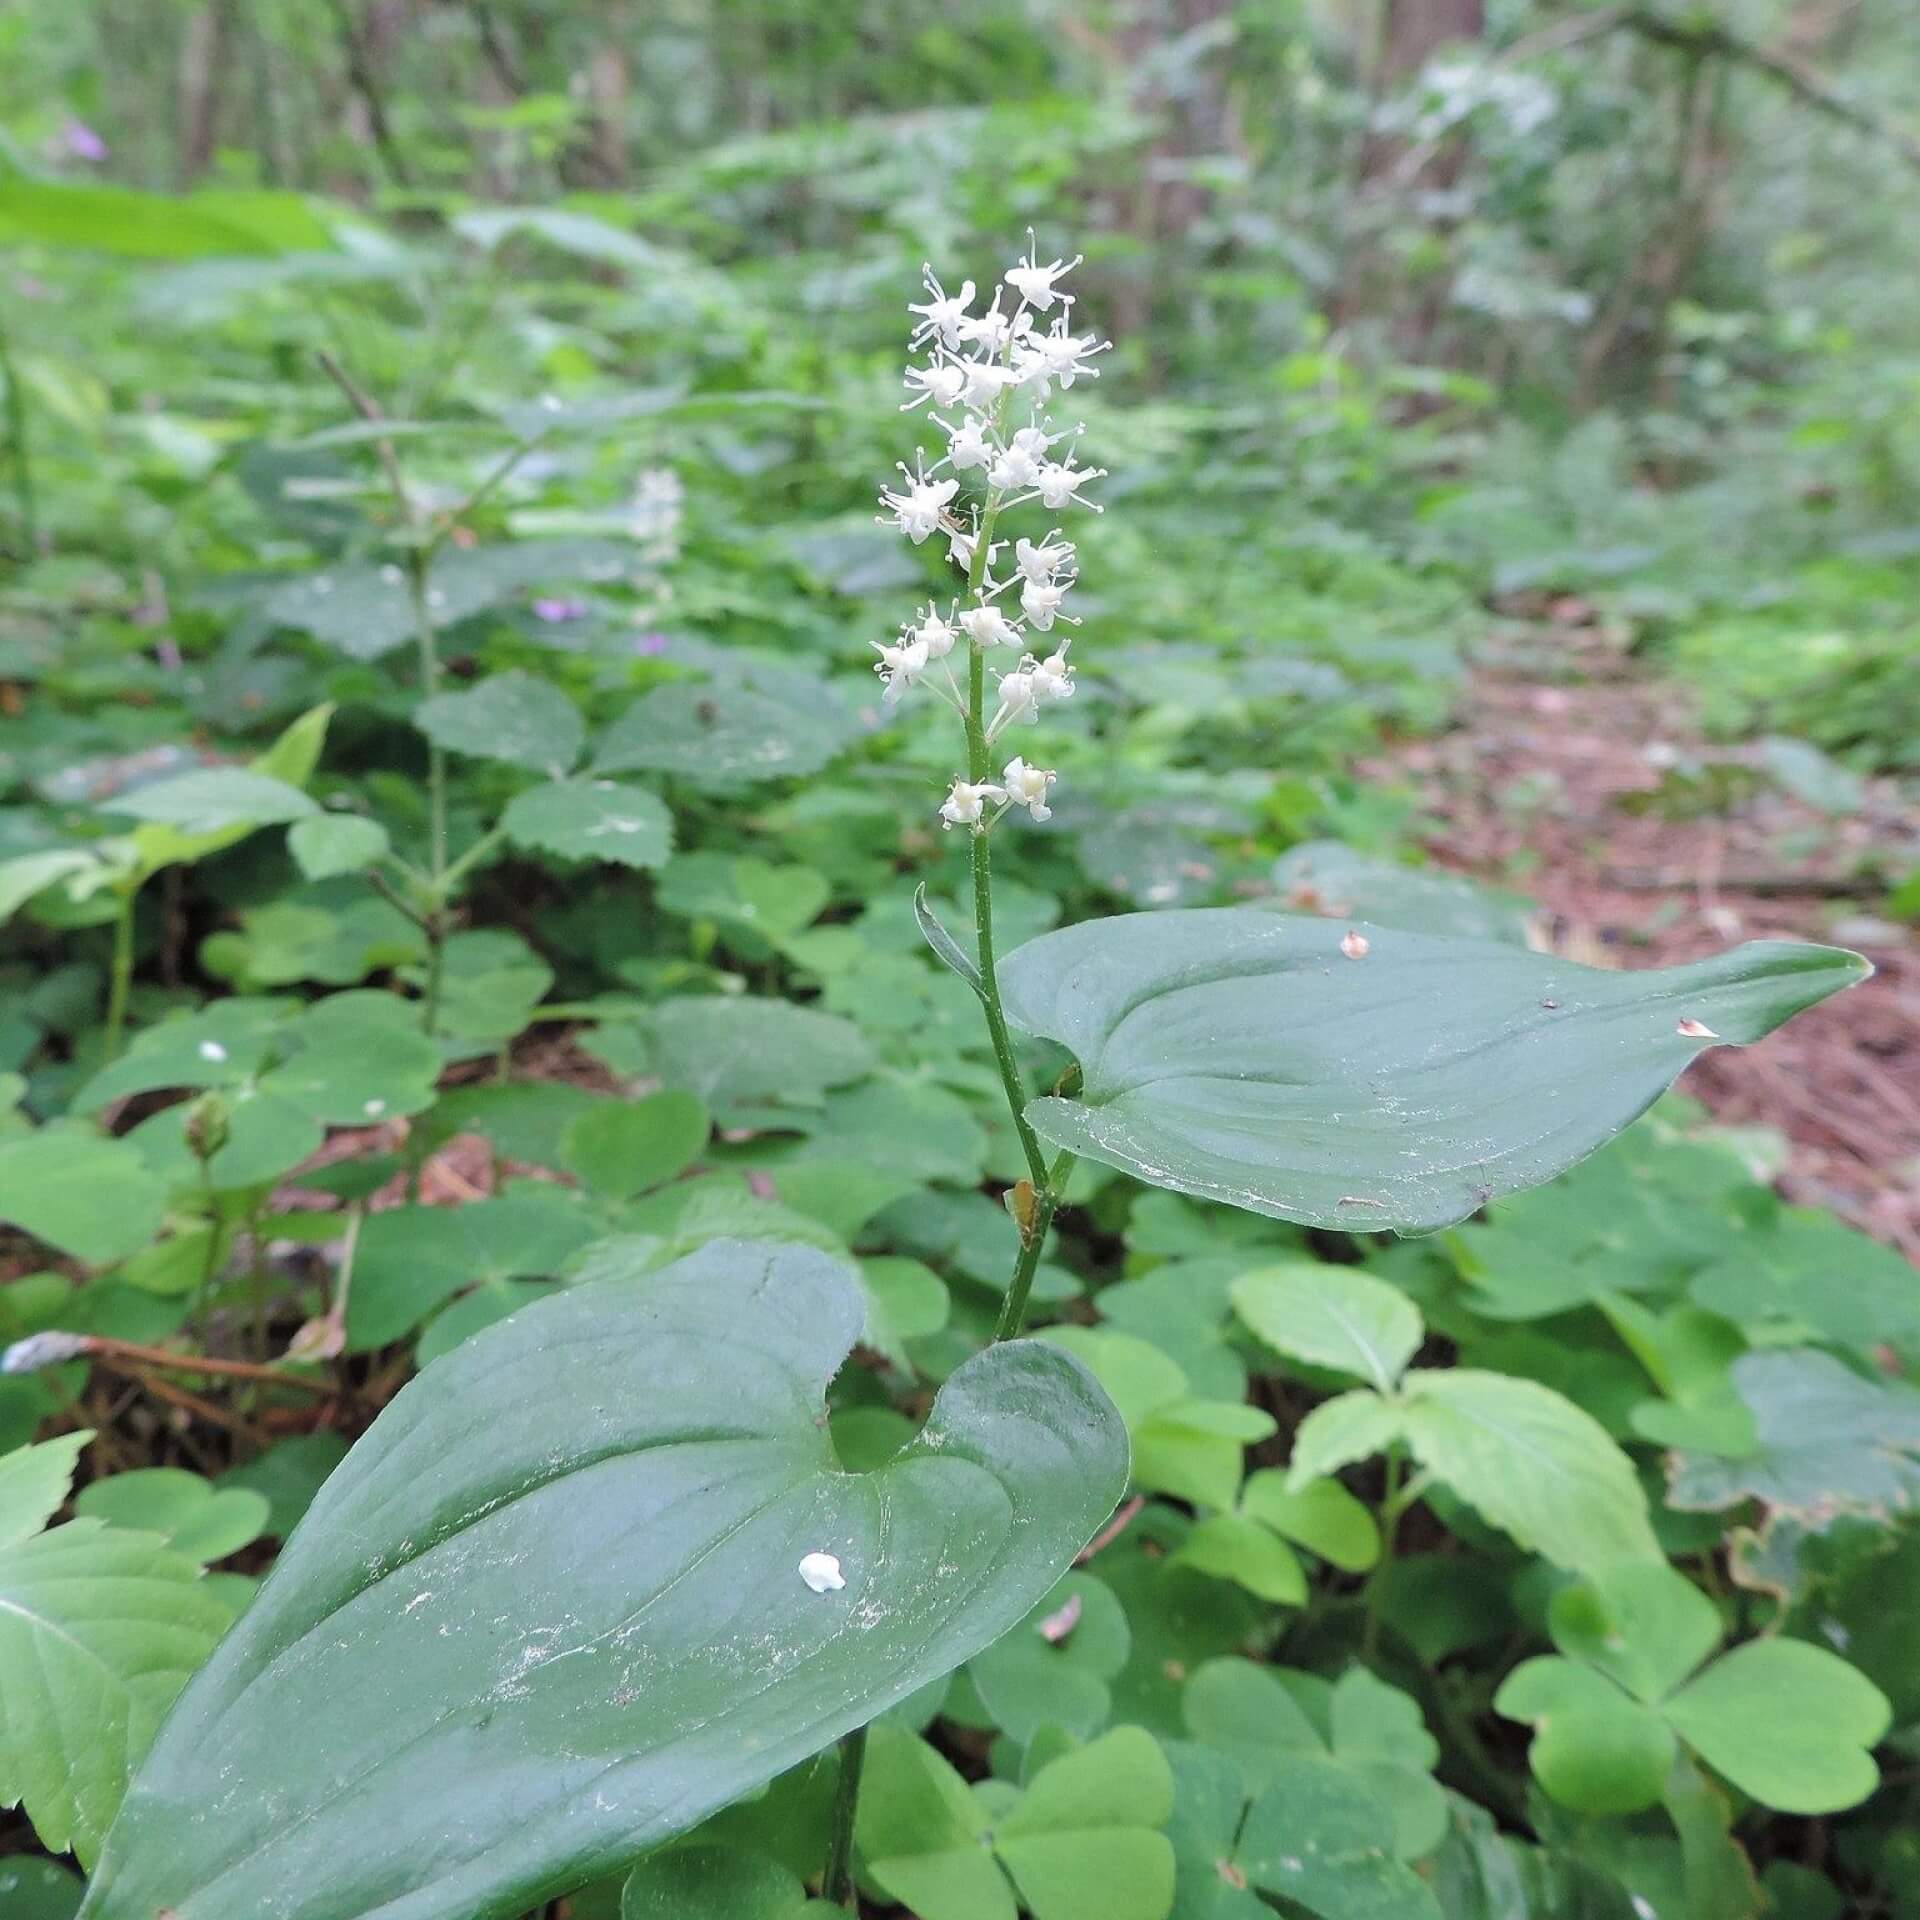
column 33, row 1483
column 214, row 800
column 508, row 716
column 1330, row 1316
column 721, row 737
column 1531, row 1463
column 599, row 1558
column 98, row 1631
column 1241, row 1057
column 327, row 844
column 591, row 820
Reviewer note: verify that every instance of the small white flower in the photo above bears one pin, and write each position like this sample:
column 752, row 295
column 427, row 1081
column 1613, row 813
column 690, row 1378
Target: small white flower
column 946, row 317
column 933, row 633
column 1019, row 700
column 993, row 330
column 1034, row 283
column 1059, row 482
column 1053, row 677
column 1040, row 602
column 989, row 627
column 821, row 1572
column 1027, row 787
column 969, row 447
column 1058, row 355
column 1044, row 562
column 899, row 666
column 965, row 803
column 1015, row 469
column 918, row 507
column 943, row 383
column 985, row 381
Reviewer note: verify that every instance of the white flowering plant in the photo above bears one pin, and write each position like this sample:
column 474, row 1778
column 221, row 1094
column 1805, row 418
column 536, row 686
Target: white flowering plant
column 599, row 1585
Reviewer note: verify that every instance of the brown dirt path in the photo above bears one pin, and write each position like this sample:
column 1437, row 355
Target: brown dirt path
column 1561, row 727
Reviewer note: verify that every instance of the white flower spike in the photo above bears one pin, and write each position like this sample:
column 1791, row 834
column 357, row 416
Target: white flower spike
column 985, row 378
column 821, row 1572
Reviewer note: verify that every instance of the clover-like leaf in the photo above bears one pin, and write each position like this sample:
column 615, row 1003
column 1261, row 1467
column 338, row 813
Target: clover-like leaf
column 53, row 1182
column 522, row 1649
column 196, row 1519
column 1243, row 1057
column 1083, row 1842
column 1787, row 1722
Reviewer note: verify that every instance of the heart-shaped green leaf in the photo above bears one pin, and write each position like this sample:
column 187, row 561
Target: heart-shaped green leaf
column 521, row 1649
column 1244, row 1057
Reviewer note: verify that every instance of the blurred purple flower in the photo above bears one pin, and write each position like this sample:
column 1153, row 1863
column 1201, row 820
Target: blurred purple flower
column 81, row 141
column 648, row 644
column 557, row 610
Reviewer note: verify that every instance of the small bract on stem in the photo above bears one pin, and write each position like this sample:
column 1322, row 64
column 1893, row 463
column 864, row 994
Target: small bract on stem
column 987, row 383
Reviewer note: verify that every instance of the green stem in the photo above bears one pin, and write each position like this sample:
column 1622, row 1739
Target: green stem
column 120, row 981
column 17, row 444
column 1046, row 1202
column 836, row 1885
column 1395, row 1498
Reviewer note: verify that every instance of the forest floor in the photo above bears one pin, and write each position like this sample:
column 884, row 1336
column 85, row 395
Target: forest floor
column 1562, row 728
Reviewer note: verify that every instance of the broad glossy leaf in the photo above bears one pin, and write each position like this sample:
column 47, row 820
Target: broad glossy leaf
column 1242, row 1057
column 522, row 1649
column 591, row 820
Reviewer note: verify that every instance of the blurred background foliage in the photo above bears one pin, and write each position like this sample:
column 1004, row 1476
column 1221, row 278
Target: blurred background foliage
column 1523, row 296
